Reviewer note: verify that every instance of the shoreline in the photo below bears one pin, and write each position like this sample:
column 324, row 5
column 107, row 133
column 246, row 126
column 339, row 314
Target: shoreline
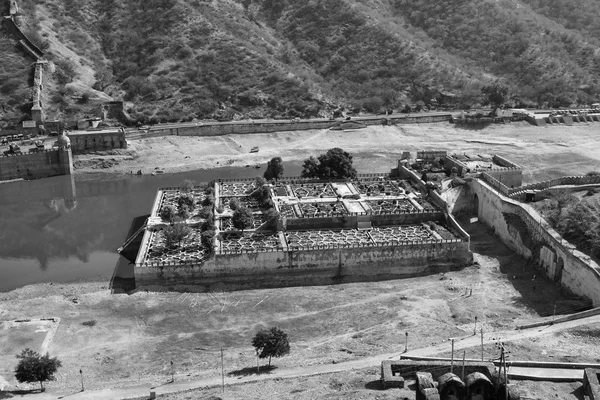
column 543, row 152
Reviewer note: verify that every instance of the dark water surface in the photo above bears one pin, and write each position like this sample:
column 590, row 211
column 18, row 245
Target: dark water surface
column 66, row 228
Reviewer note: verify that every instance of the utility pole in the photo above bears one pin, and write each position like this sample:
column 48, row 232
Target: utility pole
column 452, row 359
column 222, row 372
column 172, row 372
column 475, row 328
column 481, row 344
column 81, row 374
column 406, row 342
column 503, row 355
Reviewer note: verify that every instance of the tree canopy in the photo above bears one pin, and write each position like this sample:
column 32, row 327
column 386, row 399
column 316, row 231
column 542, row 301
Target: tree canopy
column 274, row 169
column 242, row 218
column 175, row 233
column 495, row 94
column 271, row 343
column 335, row 164
column 34, row 367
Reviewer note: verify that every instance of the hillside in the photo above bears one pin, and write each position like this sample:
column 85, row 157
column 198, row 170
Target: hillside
column 176, row 60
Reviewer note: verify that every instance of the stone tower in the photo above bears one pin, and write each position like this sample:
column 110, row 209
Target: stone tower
column 65, row 157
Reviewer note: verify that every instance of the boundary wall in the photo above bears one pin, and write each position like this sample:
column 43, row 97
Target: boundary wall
column 268, row 126
column 522, row 229
column 317, row 266
column 89, row 141
column 36, row 165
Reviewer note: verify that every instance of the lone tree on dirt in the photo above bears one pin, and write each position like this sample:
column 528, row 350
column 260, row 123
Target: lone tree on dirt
column 34, row 367
column 274, row 169
column 271, row 343
column 242, row 218
column 335, row 164
column 175, row 233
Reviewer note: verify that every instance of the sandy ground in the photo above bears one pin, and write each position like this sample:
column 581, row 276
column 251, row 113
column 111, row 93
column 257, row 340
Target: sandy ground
column 135, row 337
column 544, row 152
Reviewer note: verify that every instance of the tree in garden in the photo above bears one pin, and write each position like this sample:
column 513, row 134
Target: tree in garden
column 186, row 199
column 242, row 218
column 168, row 213
column 175, row 233
column 274, row 169
column 187, row 186
column 272, row 217
column 271, row 343
column 34, row 367
column 495, row 94
column 335, row 164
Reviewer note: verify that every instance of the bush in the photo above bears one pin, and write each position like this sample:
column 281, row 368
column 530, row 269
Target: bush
column 234, row 204
column 168, row 213
column 187, row 200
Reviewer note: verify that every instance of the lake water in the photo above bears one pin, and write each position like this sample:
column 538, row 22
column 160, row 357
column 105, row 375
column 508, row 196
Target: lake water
column 68, row 228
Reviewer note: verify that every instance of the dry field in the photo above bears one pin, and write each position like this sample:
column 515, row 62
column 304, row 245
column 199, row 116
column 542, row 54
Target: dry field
column 136, row 336
column 545, row 152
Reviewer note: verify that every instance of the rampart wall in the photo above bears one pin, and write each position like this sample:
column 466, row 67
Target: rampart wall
column 267, row 126
column 27, row 45
column 522, row 229
column 317, row 266
column 97, row 141
column 35, row 165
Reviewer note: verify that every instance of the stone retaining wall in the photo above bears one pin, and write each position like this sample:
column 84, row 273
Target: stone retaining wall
column 522, row 229
column 268, row 126
column 322, row 266
column 36, row 165
column 90, row 141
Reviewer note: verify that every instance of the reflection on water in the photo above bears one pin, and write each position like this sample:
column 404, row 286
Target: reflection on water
column 64, row 229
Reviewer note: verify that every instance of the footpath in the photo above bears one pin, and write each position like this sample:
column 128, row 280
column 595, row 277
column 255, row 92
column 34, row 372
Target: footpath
column 143, row 391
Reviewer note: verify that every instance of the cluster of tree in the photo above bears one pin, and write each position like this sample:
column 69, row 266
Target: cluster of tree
column 222, row 62
column 578, row 221
column 335, row 164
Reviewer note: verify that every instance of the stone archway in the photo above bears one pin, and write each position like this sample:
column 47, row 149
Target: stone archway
column 560, row 266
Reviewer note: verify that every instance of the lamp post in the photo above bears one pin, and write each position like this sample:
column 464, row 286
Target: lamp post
column 475, row 328
column 172, row 372
column 406, row 342
column 81, row 374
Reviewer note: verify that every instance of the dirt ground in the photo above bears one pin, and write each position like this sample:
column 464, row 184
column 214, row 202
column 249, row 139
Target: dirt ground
column 131, row 339
column 134, row 337
column 545, row 152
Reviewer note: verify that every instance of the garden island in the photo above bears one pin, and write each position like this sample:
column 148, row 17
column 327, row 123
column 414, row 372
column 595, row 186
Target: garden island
column 321, row 228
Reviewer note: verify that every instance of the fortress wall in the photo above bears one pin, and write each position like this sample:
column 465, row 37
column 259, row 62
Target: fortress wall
column 101, row 141
column 523, row 230
column 450, row 162
column 20, row 37
column 511, row 177
column 33, row 166
column 307, row 267
column 410, row 175
column 245, row 127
